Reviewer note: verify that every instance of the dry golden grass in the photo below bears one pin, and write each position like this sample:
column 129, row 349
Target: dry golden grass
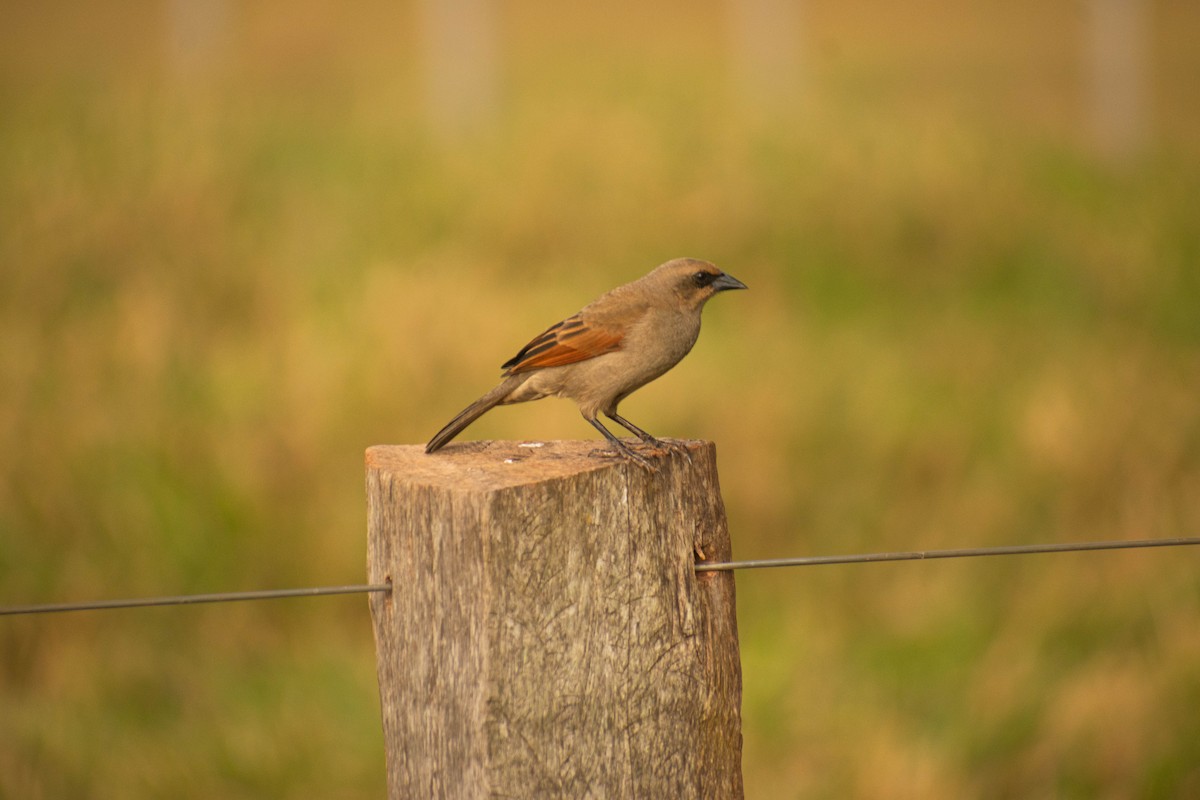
column 963, row 328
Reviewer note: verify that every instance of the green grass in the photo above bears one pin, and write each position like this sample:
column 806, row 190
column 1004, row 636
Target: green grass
column 964, row 328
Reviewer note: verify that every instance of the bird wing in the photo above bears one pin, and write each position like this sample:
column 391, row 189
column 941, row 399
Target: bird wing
column 566, row 342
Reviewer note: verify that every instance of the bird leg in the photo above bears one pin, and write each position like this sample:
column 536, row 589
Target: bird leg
column 645, row 437
column 620, row 447
column 634, row 429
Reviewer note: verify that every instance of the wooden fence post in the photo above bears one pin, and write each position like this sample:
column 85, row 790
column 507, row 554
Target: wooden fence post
column 546, row 635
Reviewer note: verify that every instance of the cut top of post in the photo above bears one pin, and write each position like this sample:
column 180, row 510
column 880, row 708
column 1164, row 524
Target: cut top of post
column 491, row 465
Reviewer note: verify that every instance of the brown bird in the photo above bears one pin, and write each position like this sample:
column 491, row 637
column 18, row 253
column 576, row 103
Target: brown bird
column 615, row 345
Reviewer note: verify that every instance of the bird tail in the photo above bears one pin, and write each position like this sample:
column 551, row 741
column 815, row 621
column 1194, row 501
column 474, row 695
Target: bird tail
column 473, row 412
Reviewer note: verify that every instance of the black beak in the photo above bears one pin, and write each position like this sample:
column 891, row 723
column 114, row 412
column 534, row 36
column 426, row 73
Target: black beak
column 727, row 281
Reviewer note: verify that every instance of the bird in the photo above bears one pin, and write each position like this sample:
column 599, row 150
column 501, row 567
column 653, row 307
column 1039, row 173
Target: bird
column 613, row 346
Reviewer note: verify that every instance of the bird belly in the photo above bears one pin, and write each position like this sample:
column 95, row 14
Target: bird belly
column 599, row 384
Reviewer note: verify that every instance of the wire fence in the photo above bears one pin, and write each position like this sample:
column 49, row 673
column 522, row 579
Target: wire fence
column 192, row 599
column 715, row 566
column 966, row 552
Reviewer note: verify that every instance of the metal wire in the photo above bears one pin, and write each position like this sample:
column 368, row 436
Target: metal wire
column 719, row 566
column 1012, row 550
column 188, row 599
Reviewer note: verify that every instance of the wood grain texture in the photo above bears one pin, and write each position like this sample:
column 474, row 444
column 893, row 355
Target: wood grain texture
column 546, row 635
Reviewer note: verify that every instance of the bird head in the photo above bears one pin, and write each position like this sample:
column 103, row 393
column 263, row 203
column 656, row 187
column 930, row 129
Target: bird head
column 694, row 281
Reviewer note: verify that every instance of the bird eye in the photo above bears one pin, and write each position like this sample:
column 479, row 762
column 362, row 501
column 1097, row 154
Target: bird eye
column 703, row 278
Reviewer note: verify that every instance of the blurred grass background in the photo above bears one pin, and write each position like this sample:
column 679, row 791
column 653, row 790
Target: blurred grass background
column 228, row 266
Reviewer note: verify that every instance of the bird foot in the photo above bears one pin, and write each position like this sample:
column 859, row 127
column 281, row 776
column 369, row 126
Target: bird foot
column 621, row 450
column 669, row 446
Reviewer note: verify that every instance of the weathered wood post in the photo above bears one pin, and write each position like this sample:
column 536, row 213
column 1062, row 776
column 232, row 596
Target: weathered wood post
column 546, row 635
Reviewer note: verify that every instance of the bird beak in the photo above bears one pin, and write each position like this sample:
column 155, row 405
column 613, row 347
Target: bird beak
column 727, row 281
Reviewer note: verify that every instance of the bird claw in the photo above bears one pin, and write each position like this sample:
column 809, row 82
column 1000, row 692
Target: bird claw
column 641, row 461
column 681, row 448
column 669, row 446
column 621, row 450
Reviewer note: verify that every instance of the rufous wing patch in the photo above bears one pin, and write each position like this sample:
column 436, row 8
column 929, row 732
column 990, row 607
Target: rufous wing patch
column 566, row 342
